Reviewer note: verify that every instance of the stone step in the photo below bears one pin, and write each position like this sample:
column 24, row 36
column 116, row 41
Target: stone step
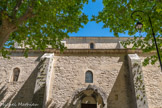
column 41, row 77
column 42, row 80
column 43, row 74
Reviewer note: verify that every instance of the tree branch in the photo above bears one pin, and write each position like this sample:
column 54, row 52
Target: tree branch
column 16, row 8
column 26, row 16
column 5, row 7
column 154, row 7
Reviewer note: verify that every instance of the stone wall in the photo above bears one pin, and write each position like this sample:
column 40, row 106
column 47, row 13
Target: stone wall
column 75, row 40
column 22, row 90
column 110, row 74
column 153, row 81
column 96, row 46
column 84, row 42
column 99, row 42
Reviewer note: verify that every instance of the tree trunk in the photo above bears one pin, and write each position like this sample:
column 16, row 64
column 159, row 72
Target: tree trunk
column 5, row 30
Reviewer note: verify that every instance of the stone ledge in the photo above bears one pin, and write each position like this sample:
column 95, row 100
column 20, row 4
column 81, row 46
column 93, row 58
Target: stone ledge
column 86, row 51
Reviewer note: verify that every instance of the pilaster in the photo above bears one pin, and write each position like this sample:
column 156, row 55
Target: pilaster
column 137, row 81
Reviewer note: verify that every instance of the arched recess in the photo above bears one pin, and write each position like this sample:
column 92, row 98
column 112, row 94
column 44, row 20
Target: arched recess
column 89, row 95
column 16, row 72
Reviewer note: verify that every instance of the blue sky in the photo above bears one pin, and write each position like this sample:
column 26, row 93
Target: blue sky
column 92, row 28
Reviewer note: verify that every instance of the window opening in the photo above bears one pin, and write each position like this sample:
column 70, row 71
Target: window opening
column 91, row 45
column 89, row 77
column 16, row 73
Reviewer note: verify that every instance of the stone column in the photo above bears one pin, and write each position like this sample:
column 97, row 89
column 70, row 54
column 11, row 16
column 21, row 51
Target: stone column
column 137, row 81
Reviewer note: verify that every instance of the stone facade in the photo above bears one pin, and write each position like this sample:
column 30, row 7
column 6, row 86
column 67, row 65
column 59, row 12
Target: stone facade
column 109, row 71
column 12, row 92
column 84, row 42
column 52, row 79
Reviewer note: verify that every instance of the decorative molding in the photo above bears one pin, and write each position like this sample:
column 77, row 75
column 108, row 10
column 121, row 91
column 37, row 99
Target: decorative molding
column 86, row 51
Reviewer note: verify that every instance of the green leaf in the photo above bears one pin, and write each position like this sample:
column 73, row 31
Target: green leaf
column 51, row 22
column 116, row 15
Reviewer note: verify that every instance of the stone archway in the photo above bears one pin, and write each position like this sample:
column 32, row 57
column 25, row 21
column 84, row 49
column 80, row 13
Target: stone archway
column 90, row 96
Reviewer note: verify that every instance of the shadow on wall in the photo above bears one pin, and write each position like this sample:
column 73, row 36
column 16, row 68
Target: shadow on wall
column 25, row 94
column 119, row 97
column 79, row 96
column 52, row 105
column 38, row 97
column 3, row 91
column 121, row 93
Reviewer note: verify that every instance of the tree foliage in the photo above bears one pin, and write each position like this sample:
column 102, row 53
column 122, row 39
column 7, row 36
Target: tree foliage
column 39, row 23
column 116, row 15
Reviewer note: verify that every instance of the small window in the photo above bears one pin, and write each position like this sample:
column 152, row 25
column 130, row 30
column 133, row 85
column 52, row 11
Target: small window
column 89, row 77
column 91, row 45
column 16, row 73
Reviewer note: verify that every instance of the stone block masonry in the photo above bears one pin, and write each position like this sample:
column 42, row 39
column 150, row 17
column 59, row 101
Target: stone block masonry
column 58, row 81
column 21, row 91
column 109, row 74
column 137, row 81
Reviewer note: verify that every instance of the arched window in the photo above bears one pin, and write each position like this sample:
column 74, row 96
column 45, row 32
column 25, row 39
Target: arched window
column 89, row 77
column 91, row 45
column 16, row 72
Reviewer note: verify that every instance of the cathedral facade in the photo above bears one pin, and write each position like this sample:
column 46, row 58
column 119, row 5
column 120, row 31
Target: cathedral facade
column 93, row 72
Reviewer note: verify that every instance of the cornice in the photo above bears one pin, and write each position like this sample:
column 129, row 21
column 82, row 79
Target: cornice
column 86, row 51
column 98, row 37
